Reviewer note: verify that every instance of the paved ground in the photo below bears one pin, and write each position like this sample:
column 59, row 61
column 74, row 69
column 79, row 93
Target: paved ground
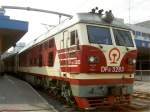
column 17, row 95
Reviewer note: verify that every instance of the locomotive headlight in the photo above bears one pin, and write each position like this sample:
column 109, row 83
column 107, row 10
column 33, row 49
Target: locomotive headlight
column 132, row 61
column 93, row 59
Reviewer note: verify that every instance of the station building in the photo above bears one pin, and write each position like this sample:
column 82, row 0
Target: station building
column 141, row 33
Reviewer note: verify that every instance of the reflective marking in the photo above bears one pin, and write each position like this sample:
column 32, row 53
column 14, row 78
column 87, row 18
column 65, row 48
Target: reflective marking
column 68, row 52
column 68, row 59
column 69, row 66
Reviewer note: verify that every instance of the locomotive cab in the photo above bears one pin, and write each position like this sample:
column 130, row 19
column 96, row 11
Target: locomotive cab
column 94, row 46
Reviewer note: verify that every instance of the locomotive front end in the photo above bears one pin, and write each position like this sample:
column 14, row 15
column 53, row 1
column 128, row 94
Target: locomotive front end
column 104, row 75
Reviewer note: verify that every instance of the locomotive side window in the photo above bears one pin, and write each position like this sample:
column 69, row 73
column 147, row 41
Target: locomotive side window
column 50, row 59
column 99, row 35
column 51, row 43
column 41, row 47
column 74, row 37
column 123, row 38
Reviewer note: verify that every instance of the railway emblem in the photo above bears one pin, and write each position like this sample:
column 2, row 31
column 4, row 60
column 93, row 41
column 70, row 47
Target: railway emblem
column 114, row 55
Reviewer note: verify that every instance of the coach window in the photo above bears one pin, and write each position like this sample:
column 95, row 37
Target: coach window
column 19, row 62
column 34, row 61
column 50, row 59
column 40, row 60
column 31, row 62
column 73, row 37
column 46, row 45
column 40, row 47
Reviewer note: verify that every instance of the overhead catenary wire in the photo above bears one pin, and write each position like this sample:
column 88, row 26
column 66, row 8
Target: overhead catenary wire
column 35, row 9
column 38, row 10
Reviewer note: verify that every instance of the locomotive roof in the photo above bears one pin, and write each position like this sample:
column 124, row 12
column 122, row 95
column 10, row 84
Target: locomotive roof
column 87, row 18
column 95, row 18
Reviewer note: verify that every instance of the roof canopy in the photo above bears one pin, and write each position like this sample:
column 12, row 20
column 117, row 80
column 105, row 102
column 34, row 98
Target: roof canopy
column 10, row 31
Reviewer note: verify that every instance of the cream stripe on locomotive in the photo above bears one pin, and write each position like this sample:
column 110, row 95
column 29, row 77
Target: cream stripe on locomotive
column 49, row 71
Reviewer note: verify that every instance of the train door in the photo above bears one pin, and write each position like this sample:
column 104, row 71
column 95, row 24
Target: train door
column 16, row 63
column 66, row 47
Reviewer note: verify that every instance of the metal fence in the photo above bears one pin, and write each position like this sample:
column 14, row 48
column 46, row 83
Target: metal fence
column 142, row 75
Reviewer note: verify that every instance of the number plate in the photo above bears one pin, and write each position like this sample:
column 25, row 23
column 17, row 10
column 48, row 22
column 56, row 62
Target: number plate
column 113, row 69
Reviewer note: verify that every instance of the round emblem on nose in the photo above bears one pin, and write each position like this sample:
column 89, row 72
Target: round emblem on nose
column 114, row 55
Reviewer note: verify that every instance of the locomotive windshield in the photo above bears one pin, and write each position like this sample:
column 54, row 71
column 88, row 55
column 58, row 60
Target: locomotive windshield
column 99, row 35
column 123, row 38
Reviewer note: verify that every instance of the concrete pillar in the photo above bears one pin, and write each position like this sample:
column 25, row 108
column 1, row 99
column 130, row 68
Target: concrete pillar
column 1, row 66
column 141, row 69
column 0, row 44
column 0, row 53
column 0, row 63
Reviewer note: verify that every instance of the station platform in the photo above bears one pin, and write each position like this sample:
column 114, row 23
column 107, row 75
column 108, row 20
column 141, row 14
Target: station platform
column 142, row 86
column 18, row 96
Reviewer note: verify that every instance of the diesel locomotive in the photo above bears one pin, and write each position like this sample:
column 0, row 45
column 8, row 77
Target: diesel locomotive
column 88, row 60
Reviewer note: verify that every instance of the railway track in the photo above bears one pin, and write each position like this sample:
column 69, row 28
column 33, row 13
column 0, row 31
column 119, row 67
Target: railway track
column 140, row 103
column 141, row 95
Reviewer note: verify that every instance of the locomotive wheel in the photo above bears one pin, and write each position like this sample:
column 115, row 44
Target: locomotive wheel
column 37, row 81
column 66, row 93
column 54, row 88
column 45, row 83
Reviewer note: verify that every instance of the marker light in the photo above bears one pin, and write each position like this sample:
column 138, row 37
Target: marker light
column 132, row 61
column 93, row 59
